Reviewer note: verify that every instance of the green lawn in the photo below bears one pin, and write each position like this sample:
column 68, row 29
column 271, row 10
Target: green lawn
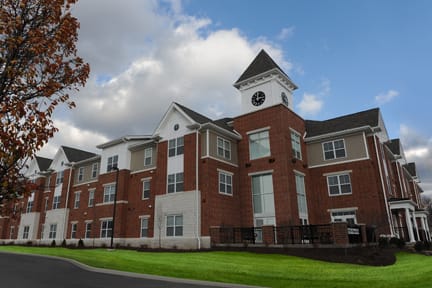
column 410, row 270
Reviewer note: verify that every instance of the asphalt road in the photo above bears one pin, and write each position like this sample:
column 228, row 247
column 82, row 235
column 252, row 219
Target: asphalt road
column 20, row 271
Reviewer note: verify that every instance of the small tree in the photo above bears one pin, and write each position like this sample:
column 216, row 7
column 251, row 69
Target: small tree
column 38, row 68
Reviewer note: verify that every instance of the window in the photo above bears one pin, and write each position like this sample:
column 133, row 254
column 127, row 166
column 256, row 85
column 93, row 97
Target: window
column 46, row 204
column 91, row 197
column 88, row 228
column 295, row 144
column 95, row 168
column 145, row 189
column 26, row 232
column 73, row 230
column 262, row 195
column 59, row 177
column 12, row 232
column 301, row 196
column 334, row 149
column 77, row 200
column 56, row 202
column 339, row 184
column 144, row 227
column 80, row 174
column 175, row 183
column 52, row 231
column 348, row 216
column 112, row 162
column 259, row 145
column 175, row 147
column 29, row 206
column 225, row 183
column 109, row 193
column 106, row 228
column 148, row 156
column 223, row 148
column 48, row 182
column 42, row 231
column 174, row 225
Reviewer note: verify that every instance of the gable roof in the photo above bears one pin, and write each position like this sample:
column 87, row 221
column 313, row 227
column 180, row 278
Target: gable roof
column 394, row 146
column 43, row 163
column 76, row 155
column 357, row 120
column 411, row 168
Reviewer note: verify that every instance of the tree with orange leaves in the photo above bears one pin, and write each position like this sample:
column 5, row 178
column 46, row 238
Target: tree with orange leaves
column 39, row 67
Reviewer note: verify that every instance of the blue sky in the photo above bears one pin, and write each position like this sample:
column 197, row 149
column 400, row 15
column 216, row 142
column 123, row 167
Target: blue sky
column 345, row 57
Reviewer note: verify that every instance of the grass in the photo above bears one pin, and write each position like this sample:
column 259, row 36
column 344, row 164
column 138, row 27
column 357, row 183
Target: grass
column 410, row 270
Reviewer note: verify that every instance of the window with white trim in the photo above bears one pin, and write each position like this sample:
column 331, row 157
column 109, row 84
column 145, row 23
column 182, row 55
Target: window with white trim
column 59, row 177
column 77, row 200
column 144, row 227
column 148, row 156
column 95, row 169
column 175, row 182
column 259, row 145
column 73, row 230
column 334, row 149
column 112, row 163
column 26, row 231
column 145, row 189
column 348, row 216
column 88, row 228
column 339, row 184
column 301, row 196
column 106, row 228
column 175, row 147
column 109, row 193
column 29, row 206
column 56, row 202
column 91, row 197
column 225, row 183
column 174, row 225
column 46, row 204
column 295, row 145
column 80, row 174
column 52, row 231
column 223, row 148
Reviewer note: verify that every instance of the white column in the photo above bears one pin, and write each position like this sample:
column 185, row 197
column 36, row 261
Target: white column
column 415, row 224
column 409, row 225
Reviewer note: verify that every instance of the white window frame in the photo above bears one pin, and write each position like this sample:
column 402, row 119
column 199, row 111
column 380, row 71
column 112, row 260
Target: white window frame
column 223, row 148
column 176, row 146
column 301, row 197
column 80, row 174
column 106, row 230
column 333, row 149
column 109, row 193
column 94, row 172
column 148, row 156
column 26, row 232
column 91, row 197
column 56, row 202
column 74, row 228
column 59, row 177
column 29, row 207
column 339, row 184
column 343, row 214
column 77, row 200
column 225, row 182
column 296, row 145
column 176, row 227
column 144, row 221
column 112, row 162
column 88, row 230
column 263, row 135
column 53, row 231
column 145, row 188
column 175, row 180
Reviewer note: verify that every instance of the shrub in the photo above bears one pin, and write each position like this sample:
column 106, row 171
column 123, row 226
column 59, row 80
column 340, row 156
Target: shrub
column 63, row 244
column 419, row 246
column 397, row 242
column 53, row 243
column 383, row 242
column 80, row 243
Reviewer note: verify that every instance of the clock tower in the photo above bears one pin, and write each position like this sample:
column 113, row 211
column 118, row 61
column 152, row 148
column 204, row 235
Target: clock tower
column 264, row 84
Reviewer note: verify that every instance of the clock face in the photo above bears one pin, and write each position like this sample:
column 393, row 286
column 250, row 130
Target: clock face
column 258, row 98
column 284, row 98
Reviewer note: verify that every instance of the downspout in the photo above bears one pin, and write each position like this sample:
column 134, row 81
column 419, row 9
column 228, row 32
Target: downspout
column 197, row 189
column 383, row 187
column 71, row 165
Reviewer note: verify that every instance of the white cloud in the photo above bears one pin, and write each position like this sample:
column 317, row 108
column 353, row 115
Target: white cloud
column 418, row 149
column 144, row 55
column 286, row 33
column 310, row 104
column 386, row 97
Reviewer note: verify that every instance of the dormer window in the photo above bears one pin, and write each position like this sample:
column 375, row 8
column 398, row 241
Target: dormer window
column 223, row 148
column 334, row 149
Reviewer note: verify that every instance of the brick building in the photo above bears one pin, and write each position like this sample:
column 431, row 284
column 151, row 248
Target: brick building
column 262, row 170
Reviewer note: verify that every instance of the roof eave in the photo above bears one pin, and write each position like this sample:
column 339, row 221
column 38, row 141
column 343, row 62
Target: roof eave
column 338, row 133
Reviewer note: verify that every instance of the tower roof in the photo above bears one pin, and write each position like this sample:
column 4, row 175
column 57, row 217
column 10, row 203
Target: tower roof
column 261, row 64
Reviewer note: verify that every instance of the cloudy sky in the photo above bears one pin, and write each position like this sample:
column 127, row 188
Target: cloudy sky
column 345, row 56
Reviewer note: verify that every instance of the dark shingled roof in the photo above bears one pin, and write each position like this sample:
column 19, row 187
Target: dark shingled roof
column 262, row 63
column 201, row 119
column 394, row 146
column 43, row 163
column 76, row 155
column 411, row 167
column 356, row 120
